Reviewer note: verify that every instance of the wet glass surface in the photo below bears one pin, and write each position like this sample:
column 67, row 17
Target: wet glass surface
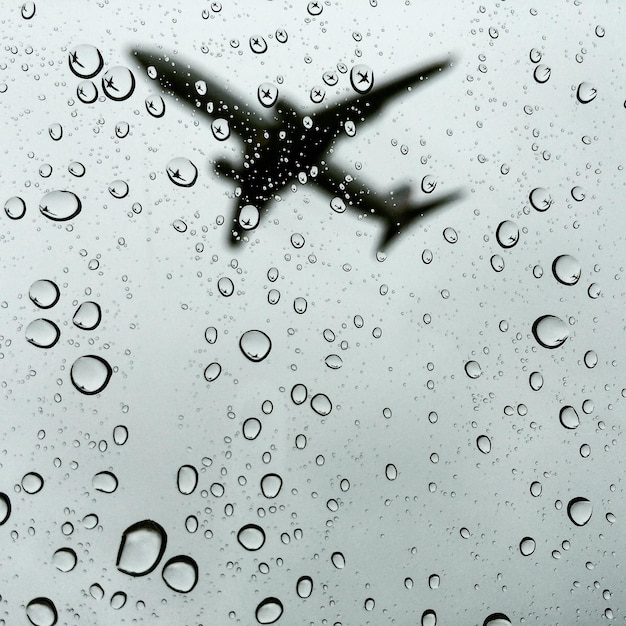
column 312, row 313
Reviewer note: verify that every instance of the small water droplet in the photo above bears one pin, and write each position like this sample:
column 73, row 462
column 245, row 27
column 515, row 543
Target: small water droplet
column 542, row 73
column 304, row 586
column 338, row 560
column 64, row 559
column 251, row 428
column 497, row 619
column 535, row 380
column 212, row 372
column 182, row 172
column 180, row 573
column 226, row 286
column 55, row 131
column 391, row 471
column 473, row 369
column 429, row 618
column 484, row 444
column 90, row 374
column 333, row 361
column 540, row 199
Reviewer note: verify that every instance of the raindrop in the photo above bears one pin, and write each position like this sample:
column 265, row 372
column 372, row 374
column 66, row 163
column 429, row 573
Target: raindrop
column 42, row 333
column 472, row 369
column 64, row 559
column 269, row 610
column 87, row 92
column 29, row 8
column 428, row 184
column 118, row 600
column 300, row 305
column 338, row 560
column 118, row 189
column 251, row 428
column 271, row 484
column 369, row 605
column 590, row 359
column 251, row 537
column 15, row 208
column 220, row 129
column 314, row 7
column 187, row 479
column 542, row 73
column 90, row 374
column 338, row 205
column 249, row 217
column 32, row 483
column 96, row 591
column 535, row 380
column 255, row 345
column 299, row 393
column 60, row 205
column 578, row 193
column 87, row 316
column 191, row 523
column 182, row 172
column 550, row 331
column 361, row 78
column 317, row 94
column 75, row 168
column 105, row 482
column 267, row 94
column 585, row 93
column 118, row 83
column 225, row 286
column 484, row 444
column 55, row 131
column 210, row 334
column 535, row 55
column 391, row 471
column 120, row 435
column 41, row 612
column 434, row 581
column 579, row 511
column 333, row 361
column 258, row 45
column 527, row 546
column 44, row 293
column 85, row 61
column 212, row 372
column 5, row 508
column 507, row 234
column 304, row 586
column 566, row 269
column 497, row 619
column 273, row 296
column 321, row 404
column 122, row 129
column 540, row 199
column 180, row 573
column 141, row 548
column 429, row 618
column 535, row 489
column 450, row 235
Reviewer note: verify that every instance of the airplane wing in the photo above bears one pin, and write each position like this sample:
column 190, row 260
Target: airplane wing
column 359, row 107
column 394, row 211
column 203, row 93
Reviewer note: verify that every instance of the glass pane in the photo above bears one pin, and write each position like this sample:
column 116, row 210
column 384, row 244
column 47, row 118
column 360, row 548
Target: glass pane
column 312, row 313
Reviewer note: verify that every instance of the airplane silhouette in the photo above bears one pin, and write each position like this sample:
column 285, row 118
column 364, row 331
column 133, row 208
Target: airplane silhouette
column 293, row 146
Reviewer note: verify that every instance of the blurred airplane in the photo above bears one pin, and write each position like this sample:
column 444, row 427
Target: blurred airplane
column 292, row 146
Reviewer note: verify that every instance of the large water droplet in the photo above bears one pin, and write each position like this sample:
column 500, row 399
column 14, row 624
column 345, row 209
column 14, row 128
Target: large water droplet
column 155, row 105
column 484, row 444
column 85, row 61
column 41, row 612
column 28, row 10
column 497, row 619
column 220, row 129
column 212, row 372
column 269, row 611
column 141, row 548
column 299, row 393
column 44, row 293
column 540, row 199
column 42, row 333
column 473, row 369
column 118, row 600
column 32, row 482
column 566, row 269
column 507, row 234
column 87, row 316
column 579, row 511
column 251, row 537
column 550, row 331
column 251, row 428
column 64, row 559
column 105, row 482
column 249, row 217
column 361, row 78
column 527, row 546
column 542, row 73
column 321, row 404
column 60, row 205
column 569, row 417
column 5, row 508
column 585, row 93
column 304, row 586
column 338, row 560
column 225, row 286
column 87, row 92
column 255, row 345
column 180, row 573
column 187, row 479
column 429, row 618
column 271, row 485
column 333, row 361
column 90, row 374
column 182, row 172
column 118, row 83
column 267, row 94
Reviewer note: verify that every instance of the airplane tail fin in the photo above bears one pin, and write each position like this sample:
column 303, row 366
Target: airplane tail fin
column 401, row 214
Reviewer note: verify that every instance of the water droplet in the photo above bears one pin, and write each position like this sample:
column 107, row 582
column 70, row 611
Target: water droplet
column 258, row 45
column 527, row 546
column 118, row 189
column 210, row 334
column 182, row 172
column 118, row 83
column 180, row 573
column 85, row 61
column 585, row 93
column 540, row 199
column 87, row 91
column 338, row 205
column 321, row 404
column 155, row 105
column 267, row 94
column 361, row 78
column 338, row 560
column 212, row 372
column 75, row 168
column 64, row 559
column 566, row 269
column 428, row 184
column 271, row 484
column 60, row 205
column 118, row 600
column 269, row 610
column 42, row 333
column 220, row 129
column 105, row 482
column 314, row 7
column 255, row 345
column 96, row 591
column 333, row 361
column 87, row 316
column 300, row 305
column 590, row 359
column 120, row 435
column 429, row 618
column 579, row 511
column 535, row 380
column 141, row 548
column 550, row 331
column 391, row 471
column 299, row 393
column 497, row 619
column 28, row 10
column 542, row 73
column 484, row 444
column 569, row 417
column 507, row 234
column 317, row 94
column 535, row 489
column 226, row 286
column 5, row 508
column 249, row 217
column 450, row 235
column 273, row 296
column 304, row 586
column 122, row 129
column 251, row 428
column 472, row 369
column 251, row 537
column 187, row 479
column 15, row 208
column 32, row 483
column 55, row 131
column 44, row 293
column 90, row 374
column 41, row 612
column 191, row 523
column 535, row 55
